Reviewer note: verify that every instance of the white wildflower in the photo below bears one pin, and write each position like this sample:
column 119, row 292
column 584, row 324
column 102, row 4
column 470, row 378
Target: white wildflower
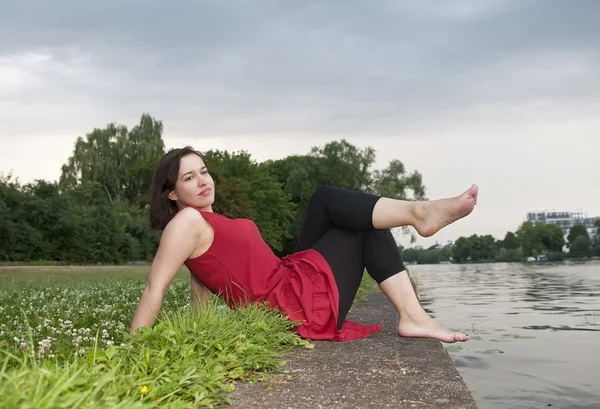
column 44, row 347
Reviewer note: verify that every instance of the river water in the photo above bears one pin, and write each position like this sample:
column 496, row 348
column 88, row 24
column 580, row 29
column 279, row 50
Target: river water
column 536, row 330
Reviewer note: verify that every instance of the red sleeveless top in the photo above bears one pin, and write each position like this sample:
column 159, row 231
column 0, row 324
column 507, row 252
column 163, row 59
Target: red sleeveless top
column 240, row 267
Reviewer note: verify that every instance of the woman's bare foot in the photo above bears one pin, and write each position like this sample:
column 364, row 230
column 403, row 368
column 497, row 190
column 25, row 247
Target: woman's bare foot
column 426, row 327
column 433, row 215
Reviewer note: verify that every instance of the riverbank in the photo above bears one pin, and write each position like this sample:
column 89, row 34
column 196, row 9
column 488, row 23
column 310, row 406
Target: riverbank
column 381, row 371
column 565, row 260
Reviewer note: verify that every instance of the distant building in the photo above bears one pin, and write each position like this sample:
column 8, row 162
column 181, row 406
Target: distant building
column 565, row 219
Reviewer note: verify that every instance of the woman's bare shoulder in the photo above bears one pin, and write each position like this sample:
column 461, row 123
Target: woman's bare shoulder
column 188, row 221
column 190, row 227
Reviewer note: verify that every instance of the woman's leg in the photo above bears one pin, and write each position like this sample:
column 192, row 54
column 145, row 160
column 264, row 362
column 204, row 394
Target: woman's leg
column 341, row 246
column 331, row 206
column 348, row 253
column 427, row 217
column 414, row 321
column 343, row 251
column 340, row 225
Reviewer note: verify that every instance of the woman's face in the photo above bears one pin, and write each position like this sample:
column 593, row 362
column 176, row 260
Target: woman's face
column 194, row 186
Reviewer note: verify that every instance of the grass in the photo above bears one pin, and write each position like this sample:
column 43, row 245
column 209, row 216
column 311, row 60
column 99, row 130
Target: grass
column 64, row 342
column 367, row 286
column 45, row 276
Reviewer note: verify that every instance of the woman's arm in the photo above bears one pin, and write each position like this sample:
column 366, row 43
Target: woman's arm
column 178, row 242
column 199, row 293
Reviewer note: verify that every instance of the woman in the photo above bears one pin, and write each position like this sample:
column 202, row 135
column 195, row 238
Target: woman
column 343, row 233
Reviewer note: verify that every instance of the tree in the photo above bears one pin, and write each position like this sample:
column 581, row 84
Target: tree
column 344, row 165
column 509, row 255
column 580, row 247
column 419, row 255
column 121, row 161
column 394, row 182
column 337, row 163
column 18, row 240
column 540, row 238
column 80, row 225
column 510, row 241
column 552, row 237
column 461, row 251
column 446, row 253
column 529, row 238
column 475, row 248
column 578, row 230
column 483, row 248
column 596, row 247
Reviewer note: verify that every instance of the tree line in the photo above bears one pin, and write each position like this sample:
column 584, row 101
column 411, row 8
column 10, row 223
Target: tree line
column 97, row 211
column 530, row 240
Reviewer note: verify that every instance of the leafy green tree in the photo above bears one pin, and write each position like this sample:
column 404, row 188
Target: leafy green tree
column 510, row 241
column 410, row 255
column 461, row 251
column 578, row 230
column 596, row 245
column 580, row 247
column 552, row 237
column 419, row 255
column 540, row 238
column 337, row 163
column 446, row 253
column 528, row 236
column 120, row 161
column 509, row 255
column 395, row 183
column 483, row 248
column 80, row 225
column 475, row 248
column 344, row 165
column 26, row 217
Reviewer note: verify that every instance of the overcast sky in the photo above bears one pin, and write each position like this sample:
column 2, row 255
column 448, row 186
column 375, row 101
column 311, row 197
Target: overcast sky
column 505, row 94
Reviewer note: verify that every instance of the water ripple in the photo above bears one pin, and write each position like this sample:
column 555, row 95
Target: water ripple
column 535, row 330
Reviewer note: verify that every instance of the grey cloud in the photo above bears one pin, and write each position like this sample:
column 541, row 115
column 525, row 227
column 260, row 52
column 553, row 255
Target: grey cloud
column 314, row 66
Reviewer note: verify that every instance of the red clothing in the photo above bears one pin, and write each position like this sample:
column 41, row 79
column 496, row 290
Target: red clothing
column 240, row 267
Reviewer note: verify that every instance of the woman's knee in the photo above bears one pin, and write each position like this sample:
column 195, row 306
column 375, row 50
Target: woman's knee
column 323, row 191
column 382, row 254
column 319, row 195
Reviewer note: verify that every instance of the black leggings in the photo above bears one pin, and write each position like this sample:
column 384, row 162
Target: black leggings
column 338, row 224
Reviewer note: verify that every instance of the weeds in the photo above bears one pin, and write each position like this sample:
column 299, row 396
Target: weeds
column 67, row 346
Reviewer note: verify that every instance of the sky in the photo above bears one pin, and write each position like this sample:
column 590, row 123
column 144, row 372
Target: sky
column 505, row 94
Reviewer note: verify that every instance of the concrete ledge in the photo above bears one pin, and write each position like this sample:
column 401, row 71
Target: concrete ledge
column 382, row 371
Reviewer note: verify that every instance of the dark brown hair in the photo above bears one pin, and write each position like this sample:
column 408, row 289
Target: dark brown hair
column 165, row 177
